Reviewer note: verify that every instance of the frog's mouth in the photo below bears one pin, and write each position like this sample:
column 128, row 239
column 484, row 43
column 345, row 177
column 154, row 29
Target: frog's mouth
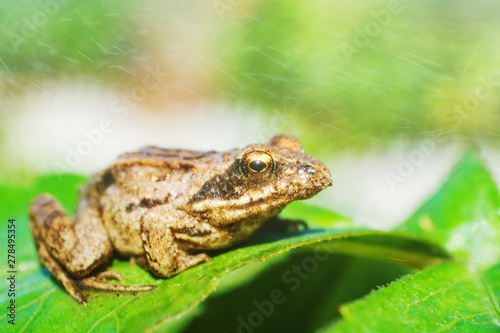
column 243, row 201
column 267, row 202
column 223, row 212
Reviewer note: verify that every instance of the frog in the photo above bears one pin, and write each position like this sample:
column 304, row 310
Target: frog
column 166, row 208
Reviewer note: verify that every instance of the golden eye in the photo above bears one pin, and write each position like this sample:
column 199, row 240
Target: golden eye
column 257, row 164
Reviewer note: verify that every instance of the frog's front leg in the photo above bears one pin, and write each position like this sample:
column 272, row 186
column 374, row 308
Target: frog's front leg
column 278, row 224
column 164, row 256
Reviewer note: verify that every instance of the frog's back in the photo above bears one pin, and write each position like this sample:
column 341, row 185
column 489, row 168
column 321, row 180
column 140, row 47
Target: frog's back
column 175, row 158
column 149, row 181
column 154, row 169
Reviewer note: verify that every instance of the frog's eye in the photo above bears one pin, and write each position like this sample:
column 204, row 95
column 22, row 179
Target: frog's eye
column 257, row 164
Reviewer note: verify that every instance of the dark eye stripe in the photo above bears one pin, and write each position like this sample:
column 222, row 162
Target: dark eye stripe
column 257, row 165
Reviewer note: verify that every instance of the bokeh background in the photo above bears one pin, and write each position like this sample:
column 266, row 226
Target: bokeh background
column 388, row 93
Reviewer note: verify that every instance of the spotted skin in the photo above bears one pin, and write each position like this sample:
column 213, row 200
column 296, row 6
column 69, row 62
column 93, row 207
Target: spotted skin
column 165, row 207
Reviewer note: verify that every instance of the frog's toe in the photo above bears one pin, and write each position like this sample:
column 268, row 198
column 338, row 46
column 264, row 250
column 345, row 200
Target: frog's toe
column 110, row 275
column 141, row 261
column 95, row 283
column 78, row 296
column 295, row 224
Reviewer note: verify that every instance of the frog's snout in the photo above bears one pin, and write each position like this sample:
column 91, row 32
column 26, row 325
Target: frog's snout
column 325, row 178
column 310, row 178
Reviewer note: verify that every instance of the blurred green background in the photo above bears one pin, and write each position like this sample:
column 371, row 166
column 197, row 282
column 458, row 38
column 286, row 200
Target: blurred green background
column 342, row 76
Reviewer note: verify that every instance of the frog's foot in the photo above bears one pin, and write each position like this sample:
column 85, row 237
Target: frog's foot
column 186, row 261
column 281, row 225
column 98, row 283
column 141, row 261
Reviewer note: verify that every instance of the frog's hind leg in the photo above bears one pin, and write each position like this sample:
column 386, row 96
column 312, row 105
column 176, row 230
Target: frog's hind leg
column 55, row 268
column 69, row 249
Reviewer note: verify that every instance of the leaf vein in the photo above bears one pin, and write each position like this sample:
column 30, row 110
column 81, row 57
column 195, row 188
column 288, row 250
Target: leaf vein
column 409, row 306
column 456, row 320
column 40, row 305
column 112, row 312
column 492, row 298
column 117, row 322
column 36, row 299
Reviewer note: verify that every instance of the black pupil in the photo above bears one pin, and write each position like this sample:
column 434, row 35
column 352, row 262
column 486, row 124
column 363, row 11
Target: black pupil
column 257, row 165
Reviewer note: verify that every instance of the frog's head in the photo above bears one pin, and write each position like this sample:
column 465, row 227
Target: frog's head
column 261, row 181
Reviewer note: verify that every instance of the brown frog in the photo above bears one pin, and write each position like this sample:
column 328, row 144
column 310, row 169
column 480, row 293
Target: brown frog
column 165, row 207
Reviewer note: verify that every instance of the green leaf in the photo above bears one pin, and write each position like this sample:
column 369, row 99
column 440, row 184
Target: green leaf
column 463, row 215
column 312, row 292
column 463, row 296
column 42, row 305
column 446, row 298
